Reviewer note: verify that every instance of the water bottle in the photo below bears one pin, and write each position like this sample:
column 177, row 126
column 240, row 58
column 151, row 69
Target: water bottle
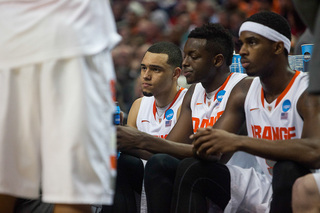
column 116, row 120
column 116, row 115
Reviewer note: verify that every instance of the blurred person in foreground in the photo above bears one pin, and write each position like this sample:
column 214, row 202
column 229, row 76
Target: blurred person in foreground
column 56, row 109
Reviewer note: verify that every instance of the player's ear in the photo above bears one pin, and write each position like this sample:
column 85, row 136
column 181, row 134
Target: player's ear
column 278, row 47
column 177, row 72
column 218, row 60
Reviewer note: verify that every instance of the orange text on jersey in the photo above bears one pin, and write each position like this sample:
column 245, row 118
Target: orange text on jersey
column 205, row 122
column 273, row 133
column 161, row 136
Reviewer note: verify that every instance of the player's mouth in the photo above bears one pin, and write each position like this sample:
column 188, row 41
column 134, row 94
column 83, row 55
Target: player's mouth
column 245, row 63
column 145, row 85
column 187, row 73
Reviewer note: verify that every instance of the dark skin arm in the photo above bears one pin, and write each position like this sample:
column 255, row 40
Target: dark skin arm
column 177, row 143
column 183, row 128
column 305, row 151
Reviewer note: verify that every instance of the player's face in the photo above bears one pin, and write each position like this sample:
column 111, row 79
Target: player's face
column 256, row 54
column 197, row 61
column 156, row 74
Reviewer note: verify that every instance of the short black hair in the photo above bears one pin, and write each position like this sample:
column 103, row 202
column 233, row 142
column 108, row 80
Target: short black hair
column 173, row 51
column 273, row 21
column 219, row 40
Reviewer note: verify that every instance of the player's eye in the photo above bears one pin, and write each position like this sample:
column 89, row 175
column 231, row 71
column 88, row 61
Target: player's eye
column 155, row 69
column 194, row 57
column 252, row 42
column 143, row 68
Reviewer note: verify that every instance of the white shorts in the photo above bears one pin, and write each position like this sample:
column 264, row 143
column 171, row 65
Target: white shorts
column 251, row 191
column 56, row 130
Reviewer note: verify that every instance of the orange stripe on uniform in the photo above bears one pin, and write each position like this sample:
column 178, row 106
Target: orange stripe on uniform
column 287, row 88
column 113, row 162
column 223, row 85
column 284, row 92
column 113, row 89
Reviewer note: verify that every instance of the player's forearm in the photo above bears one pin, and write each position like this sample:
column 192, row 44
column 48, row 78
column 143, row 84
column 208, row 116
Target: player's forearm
column 304, row 151
column 129, row 138
column 178, row 150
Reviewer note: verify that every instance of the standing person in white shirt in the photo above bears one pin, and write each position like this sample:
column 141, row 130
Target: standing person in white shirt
column 56, row 83
column 156, row 114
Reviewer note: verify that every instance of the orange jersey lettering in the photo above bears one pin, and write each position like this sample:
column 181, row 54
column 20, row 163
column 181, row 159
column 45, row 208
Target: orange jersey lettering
column 161, row 136
column 205, row 122
column 273, row 133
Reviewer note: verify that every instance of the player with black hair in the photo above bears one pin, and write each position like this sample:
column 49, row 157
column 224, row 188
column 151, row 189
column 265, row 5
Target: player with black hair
column 282, row 121
column 207, row 57
column 274, row 22
column 217, row 40
column 168, row 48
column 155, row 113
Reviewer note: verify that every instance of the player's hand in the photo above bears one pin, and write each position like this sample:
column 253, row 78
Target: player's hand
column 128, row 138
column 203, row 156
column 214, row 142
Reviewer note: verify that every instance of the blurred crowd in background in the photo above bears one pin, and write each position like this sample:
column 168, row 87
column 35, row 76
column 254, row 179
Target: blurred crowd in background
column 143, row 22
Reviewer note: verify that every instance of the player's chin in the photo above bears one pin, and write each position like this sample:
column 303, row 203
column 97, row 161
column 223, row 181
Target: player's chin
column 251, row 72
column 191, row 80
column 147, row 93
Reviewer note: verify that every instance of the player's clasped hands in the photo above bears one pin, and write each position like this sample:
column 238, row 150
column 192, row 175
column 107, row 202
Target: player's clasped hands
column 210, row 144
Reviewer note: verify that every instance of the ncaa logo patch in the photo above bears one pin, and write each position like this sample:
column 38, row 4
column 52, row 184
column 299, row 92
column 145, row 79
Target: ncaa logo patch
column 220, row 95
column 286, row 105
column 169, row 114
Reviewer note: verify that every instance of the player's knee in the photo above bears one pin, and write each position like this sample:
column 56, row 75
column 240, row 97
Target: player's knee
column 160, row 166
column 128, row 162
column 187, row 164
column 299, row 198
column 304, row 186
column 157, row 162
column 296, row 191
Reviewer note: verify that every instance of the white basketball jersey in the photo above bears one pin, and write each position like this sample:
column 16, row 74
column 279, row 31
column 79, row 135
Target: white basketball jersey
column 148, row 121
column 278, row 120
column 205, row 113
